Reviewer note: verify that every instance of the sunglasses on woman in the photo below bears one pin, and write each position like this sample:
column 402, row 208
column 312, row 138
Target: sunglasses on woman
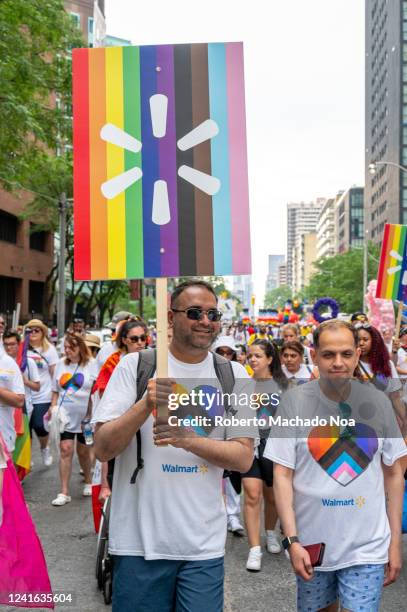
column 196, row 314
column 225, row 352
column 135, row 339
column 36, row 330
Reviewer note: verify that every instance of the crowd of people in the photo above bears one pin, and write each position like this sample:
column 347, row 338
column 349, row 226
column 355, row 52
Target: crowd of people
column 168, row 549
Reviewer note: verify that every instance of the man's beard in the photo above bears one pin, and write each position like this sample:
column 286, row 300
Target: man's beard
column 190, row 340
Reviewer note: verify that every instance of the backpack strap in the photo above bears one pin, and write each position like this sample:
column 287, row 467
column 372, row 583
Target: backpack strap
column 145, row 370
column 224, row 374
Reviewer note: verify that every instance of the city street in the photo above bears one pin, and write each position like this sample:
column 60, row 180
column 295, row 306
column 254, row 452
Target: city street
column 69, row 542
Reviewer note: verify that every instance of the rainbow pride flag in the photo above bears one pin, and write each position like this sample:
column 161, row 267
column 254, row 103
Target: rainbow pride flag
column 160, row 162
column 392, row 274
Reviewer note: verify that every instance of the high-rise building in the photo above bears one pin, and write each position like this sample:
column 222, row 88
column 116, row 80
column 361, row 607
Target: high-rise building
column 302, row 218
column 304, row 255
column 386, row 114
column 326, row 230
column 242, row 288
column 272, row 277
column 282, row 274
column 349, row 226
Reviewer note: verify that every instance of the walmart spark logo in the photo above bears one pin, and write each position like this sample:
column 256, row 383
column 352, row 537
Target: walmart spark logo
column 393, row 270
column 360, row 501
column 161, row 208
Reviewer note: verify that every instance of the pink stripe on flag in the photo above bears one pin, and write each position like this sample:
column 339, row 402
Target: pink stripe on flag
column 345, row 467
column 239, row 187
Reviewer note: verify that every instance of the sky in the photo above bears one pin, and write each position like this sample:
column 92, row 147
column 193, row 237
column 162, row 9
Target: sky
column 304, row 77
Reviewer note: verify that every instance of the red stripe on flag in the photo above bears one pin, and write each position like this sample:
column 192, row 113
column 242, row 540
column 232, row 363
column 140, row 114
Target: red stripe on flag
column 80, row 98
column 381, row 280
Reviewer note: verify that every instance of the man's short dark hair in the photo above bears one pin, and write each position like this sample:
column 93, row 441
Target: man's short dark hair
column 191, row 283
column 12, row 334
column 334, row 324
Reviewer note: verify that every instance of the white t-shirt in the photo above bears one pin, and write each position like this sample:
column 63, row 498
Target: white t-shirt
column 302, row 374
column 12, row 380
column 402, row 362
column 31, row 372
column 73, row 383
column 175, row 510
column 339, row 495
column 107, row 349
column 44, row 360
column 393, row 383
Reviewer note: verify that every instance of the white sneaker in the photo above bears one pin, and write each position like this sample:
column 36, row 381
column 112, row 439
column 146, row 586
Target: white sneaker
column 87, row 490
column 273, row 543
column 61, row 500
column 235, row 526
column 254, row 559
column 46, row 456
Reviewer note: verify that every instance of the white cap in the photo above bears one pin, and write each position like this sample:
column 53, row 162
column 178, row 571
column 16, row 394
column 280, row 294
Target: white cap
column 224, row 341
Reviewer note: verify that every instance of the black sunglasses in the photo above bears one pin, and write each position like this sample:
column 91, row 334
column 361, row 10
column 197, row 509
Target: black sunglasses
column 135, row 339
column 196, row 314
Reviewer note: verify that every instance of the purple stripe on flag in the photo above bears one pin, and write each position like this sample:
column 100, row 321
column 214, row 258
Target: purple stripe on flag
column 168, row 162
column 239, row 192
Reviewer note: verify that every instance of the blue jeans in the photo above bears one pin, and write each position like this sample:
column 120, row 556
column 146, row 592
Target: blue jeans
column 358, row 588
column 167, row 586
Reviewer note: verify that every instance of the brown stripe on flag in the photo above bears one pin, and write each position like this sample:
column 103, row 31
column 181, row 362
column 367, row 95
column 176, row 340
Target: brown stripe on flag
column 185, row 191
column 202, row 160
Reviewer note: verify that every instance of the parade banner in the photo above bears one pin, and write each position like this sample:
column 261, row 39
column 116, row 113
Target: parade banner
column 160, row 162
column 392, row 274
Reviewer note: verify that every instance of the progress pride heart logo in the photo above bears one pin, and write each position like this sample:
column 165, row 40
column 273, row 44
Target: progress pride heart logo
column 343, row 458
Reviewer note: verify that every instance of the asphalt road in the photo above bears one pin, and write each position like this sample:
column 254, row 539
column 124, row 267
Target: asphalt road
column 69, row 544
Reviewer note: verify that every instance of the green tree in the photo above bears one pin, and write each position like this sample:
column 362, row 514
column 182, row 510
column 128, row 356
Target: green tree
column 341, row 277
column 276, row 298
column 35, row 84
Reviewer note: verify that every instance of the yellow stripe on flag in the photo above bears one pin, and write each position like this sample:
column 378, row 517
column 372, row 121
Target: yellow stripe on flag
column 116, row 208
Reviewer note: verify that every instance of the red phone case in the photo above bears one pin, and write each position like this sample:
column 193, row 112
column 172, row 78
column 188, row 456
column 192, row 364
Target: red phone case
column 316, row 553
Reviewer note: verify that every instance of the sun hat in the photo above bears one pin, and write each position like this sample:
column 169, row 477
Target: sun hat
column 91, row 340
column 38, row 323
column 224, row 341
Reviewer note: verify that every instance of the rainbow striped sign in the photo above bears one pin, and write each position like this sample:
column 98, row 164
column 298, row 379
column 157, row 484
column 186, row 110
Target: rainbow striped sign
column 392, row 274
column 160, row 162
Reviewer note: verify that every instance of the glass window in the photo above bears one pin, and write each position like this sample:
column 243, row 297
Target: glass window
column 90, row 31
column 8, row 227
column 76, row 19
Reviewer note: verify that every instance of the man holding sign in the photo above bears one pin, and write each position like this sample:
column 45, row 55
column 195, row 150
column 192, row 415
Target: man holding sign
column 167, row 531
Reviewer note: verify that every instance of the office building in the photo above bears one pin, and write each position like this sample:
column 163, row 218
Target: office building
column 272, row 277
column 302, row 218
column 242, row 288
column 304, row 256
column 349, row 226
column 326, row 230
column 282, row 274
column 386, row 114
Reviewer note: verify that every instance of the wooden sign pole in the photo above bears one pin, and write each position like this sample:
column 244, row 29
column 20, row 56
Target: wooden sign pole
column 162, row 335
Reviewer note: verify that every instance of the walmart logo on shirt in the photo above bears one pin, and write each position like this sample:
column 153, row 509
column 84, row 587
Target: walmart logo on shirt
column 351, row 501
column 185, row 469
